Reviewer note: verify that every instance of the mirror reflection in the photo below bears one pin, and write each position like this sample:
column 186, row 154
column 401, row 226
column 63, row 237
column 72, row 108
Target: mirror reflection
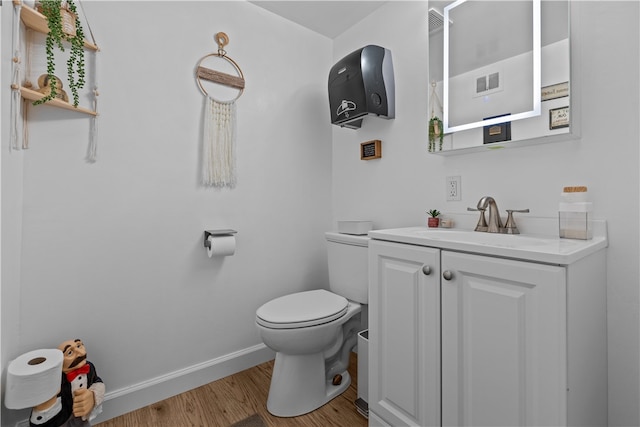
column 491, row 70
column 507, row 70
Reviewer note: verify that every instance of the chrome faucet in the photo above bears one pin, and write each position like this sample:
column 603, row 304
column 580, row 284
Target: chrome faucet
column 510, row 227
column 482, row 222
column 494, row 225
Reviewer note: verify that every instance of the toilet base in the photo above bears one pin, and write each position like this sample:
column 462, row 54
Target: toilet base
column 298, row 385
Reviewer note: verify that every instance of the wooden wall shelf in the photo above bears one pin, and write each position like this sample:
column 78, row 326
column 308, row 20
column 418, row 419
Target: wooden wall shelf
column 38, row 22
column 32, row 95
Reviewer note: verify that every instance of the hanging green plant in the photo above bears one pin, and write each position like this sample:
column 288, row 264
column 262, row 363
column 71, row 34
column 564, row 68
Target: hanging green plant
column 57, row 14
column 435, row 132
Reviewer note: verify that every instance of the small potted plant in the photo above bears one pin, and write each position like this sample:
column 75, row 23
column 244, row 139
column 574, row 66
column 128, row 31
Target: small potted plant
column 64, row 25
column 433, row 220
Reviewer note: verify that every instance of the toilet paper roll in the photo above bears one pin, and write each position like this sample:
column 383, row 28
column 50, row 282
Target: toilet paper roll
column 221, row 245
column 33, row 378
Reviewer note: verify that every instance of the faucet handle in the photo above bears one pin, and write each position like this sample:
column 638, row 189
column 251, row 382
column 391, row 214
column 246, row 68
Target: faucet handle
column 482, row 222
column 510, row 227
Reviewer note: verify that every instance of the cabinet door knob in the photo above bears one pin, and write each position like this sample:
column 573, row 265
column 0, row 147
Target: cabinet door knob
column 447, row 275
column 426, row 270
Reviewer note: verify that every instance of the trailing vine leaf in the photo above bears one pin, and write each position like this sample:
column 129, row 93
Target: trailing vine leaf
column 51, row 9
column 76, row 57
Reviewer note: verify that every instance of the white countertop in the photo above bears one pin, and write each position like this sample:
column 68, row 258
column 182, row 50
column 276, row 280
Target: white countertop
column 530, row 247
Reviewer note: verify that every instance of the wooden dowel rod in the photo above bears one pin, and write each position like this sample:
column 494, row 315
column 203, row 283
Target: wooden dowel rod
column 222, row 78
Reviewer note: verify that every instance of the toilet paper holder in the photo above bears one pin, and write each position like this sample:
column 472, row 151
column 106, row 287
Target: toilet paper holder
column 207, row 233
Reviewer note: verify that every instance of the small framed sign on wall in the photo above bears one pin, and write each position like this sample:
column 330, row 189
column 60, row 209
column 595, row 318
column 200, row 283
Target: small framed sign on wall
column 559, row 118
column 371, row 150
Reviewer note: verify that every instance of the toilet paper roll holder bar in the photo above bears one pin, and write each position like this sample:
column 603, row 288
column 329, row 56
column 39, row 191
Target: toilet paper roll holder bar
column 207, row 233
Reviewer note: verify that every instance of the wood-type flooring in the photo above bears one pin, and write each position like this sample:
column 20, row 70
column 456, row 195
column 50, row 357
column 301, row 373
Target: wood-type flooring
column 236, row 397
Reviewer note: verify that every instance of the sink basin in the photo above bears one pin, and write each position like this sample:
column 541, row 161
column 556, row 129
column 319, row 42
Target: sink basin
column 541, row 248
column 481, row 238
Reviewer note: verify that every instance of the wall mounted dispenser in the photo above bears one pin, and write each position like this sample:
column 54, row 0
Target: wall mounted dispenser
column 362, row 84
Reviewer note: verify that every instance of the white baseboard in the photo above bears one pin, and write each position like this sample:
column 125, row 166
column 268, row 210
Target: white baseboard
column 119, row 402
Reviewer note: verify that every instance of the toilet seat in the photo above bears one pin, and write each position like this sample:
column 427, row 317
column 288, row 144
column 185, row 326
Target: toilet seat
column 302, row 310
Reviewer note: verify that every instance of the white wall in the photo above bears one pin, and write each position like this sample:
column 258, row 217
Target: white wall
column 112, row 252
column 396, row 190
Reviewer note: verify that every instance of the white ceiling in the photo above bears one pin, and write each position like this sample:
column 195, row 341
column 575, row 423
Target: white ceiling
column 330, row 17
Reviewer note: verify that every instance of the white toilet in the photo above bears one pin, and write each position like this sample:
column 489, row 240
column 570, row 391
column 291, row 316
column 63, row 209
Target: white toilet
column 313, row 332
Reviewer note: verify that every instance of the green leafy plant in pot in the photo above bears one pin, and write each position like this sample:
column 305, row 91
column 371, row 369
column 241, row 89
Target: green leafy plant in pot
column 435, row 133
column 433, row 220
column 58, row 14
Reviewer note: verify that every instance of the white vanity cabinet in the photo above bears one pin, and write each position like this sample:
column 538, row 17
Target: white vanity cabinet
column 504, row 347
column 404, row 334
column 464, row 339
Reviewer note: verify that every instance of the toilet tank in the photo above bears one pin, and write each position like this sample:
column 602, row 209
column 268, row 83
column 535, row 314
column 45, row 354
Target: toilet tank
column 347, row 256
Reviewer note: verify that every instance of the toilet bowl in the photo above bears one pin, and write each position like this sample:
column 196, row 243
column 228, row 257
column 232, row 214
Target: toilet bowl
column 314, row 331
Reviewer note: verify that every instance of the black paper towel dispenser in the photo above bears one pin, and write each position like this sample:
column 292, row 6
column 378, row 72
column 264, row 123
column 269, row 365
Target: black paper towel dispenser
column 362, row 84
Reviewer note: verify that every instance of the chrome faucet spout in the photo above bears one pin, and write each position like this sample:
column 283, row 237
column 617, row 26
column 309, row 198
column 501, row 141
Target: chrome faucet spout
column 495, row 222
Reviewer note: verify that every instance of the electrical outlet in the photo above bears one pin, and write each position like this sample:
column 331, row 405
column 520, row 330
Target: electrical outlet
column 454, row 187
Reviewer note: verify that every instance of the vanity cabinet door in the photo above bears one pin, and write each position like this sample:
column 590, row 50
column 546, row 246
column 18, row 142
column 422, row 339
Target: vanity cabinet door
column 404, row 334
column 504, row 357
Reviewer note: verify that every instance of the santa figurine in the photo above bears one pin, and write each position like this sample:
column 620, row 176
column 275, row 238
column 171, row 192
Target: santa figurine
column 81, row 392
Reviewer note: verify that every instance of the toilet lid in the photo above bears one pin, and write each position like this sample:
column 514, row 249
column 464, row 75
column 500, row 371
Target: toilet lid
column 302, row 309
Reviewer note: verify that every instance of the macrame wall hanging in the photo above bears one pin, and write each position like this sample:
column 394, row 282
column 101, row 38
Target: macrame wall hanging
column 92, row 148
column 219, row 132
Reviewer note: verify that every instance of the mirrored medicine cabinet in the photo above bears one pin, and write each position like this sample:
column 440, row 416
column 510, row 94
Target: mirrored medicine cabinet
column 500, row 73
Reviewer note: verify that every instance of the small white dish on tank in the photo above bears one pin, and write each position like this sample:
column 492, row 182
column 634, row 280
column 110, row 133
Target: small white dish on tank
column 359, row 228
